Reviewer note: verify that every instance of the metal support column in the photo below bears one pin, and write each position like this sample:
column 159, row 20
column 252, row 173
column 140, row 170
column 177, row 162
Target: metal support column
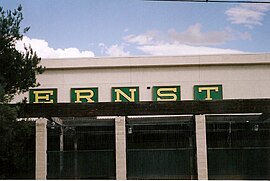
column 61, row 150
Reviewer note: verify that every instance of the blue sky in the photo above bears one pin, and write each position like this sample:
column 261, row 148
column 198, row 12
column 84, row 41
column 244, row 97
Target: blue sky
column 79, row 28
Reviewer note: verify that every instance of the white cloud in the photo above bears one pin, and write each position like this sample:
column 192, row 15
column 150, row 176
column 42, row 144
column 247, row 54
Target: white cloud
column 248, row 15
column 115, row 50
column 193, row 35
column 142, row 39
column 181, row 49
column 192, row 41
column 44, row 51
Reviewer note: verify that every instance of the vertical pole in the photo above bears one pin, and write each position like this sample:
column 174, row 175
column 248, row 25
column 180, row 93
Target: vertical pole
column 76, row 156
column 120, row 148
column 201, row 147
column 41, row 149
column 61, row 150
column 191, row 157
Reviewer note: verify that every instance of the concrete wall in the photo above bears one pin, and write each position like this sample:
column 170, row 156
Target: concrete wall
column 242, row 76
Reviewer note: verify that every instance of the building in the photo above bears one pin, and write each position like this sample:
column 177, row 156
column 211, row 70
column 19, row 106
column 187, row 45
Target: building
column 227, row 139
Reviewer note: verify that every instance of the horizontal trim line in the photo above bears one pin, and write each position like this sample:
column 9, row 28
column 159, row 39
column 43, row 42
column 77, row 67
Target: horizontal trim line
column 157, row 65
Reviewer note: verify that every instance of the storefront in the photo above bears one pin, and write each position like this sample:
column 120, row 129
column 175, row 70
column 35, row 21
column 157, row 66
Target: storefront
column 182, row 117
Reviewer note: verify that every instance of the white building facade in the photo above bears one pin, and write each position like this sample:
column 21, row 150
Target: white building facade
column 194, row 146
column 245, row 76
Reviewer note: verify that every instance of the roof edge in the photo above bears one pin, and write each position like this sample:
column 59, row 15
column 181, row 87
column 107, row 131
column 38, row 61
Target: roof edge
column 156, row 61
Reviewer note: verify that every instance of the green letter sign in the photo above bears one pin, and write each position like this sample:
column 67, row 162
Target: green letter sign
column 125, row 94
column 86, row 95
column 166, row 93
column 43, row 95
column 208, row 92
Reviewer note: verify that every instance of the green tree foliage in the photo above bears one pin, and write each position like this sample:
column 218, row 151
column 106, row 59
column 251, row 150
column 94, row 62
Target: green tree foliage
column 17, row 146
column 18, row 72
